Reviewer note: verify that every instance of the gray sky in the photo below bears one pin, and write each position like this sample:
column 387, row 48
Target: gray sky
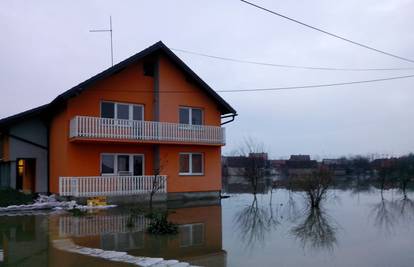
column 46, row 48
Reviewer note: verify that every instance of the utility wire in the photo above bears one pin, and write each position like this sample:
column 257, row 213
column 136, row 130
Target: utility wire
column 328, row 33
column 316, row 85
column 285, row 65
column 276, row 88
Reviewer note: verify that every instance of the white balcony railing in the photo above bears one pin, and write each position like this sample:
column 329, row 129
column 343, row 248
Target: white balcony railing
column 92, row 186
column 95, row 127
column 101, row 224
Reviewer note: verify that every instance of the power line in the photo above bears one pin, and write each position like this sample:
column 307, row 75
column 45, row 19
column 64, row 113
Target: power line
column 316, row 85
column 278, row 88
column 285, row 65
column 328, row 33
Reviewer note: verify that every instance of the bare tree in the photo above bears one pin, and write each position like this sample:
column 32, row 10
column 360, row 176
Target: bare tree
column 315, row 185
column 405, row 172
column 157, row 183
column 254, row 168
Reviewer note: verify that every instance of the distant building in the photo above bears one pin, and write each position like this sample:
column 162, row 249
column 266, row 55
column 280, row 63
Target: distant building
column 261, row 155
column 299, row 165
column 300, row 158
column 337, row 166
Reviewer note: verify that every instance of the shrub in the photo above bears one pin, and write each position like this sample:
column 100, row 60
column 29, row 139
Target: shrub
column 10, row 196
column 160, row 225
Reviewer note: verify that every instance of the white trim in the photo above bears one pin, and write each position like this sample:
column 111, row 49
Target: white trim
column 190, row 158
column 130, row 109
column 190, row 115
column 131, row 163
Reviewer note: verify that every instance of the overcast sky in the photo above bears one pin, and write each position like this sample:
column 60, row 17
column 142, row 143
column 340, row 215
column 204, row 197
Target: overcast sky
column 46, row 48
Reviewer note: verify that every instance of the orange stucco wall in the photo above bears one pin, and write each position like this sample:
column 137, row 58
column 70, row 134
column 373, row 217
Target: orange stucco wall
column 172, row 79
column 131, row 86
column 209, row 181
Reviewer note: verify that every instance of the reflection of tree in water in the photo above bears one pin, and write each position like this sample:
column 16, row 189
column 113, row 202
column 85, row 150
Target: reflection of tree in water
column 404, row 208
column 383, row 215
column 253, row 222
column 388, row 214
column 316, row 230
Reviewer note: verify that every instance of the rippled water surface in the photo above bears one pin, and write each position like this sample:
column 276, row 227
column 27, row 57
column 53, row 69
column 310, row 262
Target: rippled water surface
column 273, row 229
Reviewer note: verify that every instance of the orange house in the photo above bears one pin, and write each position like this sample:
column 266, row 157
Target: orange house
column 146, row 124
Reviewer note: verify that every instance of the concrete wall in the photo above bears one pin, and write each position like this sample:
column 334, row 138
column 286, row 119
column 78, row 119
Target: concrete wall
column 33, row 130
column 4, row 174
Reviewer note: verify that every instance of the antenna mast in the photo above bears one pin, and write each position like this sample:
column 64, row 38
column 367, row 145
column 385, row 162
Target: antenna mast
column 110, row 32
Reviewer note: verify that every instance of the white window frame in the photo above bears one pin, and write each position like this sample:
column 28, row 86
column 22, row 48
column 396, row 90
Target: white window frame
column 190, row 226
column 190, row 115
column 130, row 109
column 190, row 159
column 131, row 163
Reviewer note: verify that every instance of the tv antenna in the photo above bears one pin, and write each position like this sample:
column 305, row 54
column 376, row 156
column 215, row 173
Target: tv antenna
column 110, row 32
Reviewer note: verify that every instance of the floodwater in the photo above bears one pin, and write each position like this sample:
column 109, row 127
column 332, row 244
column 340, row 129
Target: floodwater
column 275, row 228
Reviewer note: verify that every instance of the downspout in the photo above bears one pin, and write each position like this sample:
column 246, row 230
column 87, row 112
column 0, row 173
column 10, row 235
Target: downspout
column 48, row 156
column 156, row 111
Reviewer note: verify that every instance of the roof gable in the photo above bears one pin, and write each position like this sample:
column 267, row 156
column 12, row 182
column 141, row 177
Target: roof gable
column 158, row 47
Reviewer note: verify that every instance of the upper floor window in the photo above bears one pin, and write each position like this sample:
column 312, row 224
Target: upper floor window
column 192, row 116
column 122, row 111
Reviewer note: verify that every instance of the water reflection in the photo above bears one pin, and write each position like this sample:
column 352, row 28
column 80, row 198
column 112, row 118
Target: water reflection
column 199, row 240
column 23, row 241
column 316, row 229
column 40, row 240
column 254, row 221
column 388, row 215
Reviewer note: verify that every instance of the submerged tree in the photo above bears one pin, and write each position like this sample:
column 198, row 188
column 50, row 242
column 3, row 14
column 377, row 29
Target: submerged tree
column 254, row 164
column 315, row 185
column 405, row 172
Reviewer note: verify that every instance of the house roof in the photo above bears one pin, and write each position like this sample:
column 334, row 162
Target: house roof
column 225, row 108
column 158, row 47
column 23, row 115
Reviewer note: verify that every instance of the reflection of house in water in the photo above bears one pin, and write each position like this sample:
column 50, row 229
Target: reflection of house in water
column 23, row 241
column 199, row 241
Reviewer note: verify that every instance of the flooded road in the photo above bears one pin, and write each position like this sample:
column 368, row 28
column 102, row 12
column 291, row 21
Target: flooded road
column 275, row 228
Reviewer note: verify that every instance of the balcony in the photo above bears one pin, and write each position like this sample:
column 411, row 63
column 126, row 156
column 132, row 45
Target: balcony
column 113, row 185
column 103, row 129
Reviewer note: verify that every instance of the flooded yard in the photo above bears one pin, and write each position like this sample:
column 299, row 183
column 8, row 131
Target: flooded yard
column 275, row 228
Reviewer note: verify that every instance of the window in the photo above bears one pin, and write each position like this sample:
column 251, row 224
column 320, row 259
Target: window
column 122, row 164
column 107, row 164
column 122, row 111
column 107, row 110
column 191, row 164
column 191, row 234
column 192, row 116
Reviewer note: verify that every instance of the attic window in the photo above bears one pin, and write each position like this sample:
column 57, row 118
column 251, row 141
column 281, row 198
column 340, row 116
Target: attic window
column 149, row 69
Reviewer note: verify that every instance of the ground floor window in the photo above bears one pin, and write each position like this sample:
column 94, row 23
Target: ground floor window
column 122, row 164
column 191, row 164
